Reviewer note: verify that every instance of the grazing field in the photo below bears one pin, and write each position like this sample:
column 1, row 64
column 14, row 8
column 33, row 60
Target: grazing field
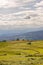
column 21, row 53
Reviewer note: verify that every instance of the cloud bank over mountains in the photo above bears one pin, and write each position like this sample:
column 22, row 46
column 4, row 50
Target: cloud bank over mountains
column 21, row 14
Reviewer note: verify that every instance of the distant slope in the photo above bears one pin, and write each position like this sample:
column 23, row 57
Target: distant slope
column 36, row 35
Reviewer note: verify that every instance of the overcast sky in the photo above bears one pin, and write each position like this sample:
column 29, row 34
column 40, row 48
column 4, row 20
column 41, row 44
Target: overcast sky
column 21, row 14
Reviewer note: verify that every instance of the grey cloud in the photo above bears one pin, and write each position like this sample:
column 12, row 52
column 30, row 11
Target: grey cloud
column 8, row 10
column 21, row 7
column 26, row 15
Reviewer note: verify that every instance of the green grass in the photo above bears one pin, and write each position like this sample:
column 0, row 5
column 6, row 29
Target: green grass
column 21, row 53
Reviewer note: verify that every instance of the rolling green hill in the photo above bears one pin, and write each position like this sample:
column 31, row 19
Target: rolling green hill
column 21, row 53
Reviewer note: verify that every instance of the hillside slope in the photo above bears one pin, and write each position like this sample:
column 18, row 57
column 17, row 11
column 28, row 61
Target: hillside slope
column 36, row 35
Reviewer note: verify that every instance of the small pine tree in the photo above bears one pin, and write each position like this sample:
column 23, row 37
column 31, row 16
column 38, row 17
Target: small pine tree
column 29, row 43
column 22, row 39
column 17, row 39
column 4, row 41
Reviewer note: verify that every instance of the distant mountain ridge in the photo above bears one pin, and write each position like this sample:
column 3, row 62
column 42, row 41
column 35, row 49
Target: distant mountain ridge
column 35, row 35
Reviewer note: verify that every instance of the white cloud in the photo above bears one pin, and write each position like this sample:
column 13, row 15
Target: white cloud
column 13, row 3
column 24, row 18
column 36, row 19
column 40, row 4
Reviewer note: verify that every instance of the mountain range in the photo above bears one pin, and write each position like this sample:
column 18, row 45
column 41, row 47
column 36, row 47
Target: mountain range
column 35, row 35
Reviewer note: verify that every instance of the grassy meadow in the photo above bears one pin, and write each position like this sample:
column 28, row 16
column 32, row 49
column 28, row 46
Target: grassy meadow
column 21, row 53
